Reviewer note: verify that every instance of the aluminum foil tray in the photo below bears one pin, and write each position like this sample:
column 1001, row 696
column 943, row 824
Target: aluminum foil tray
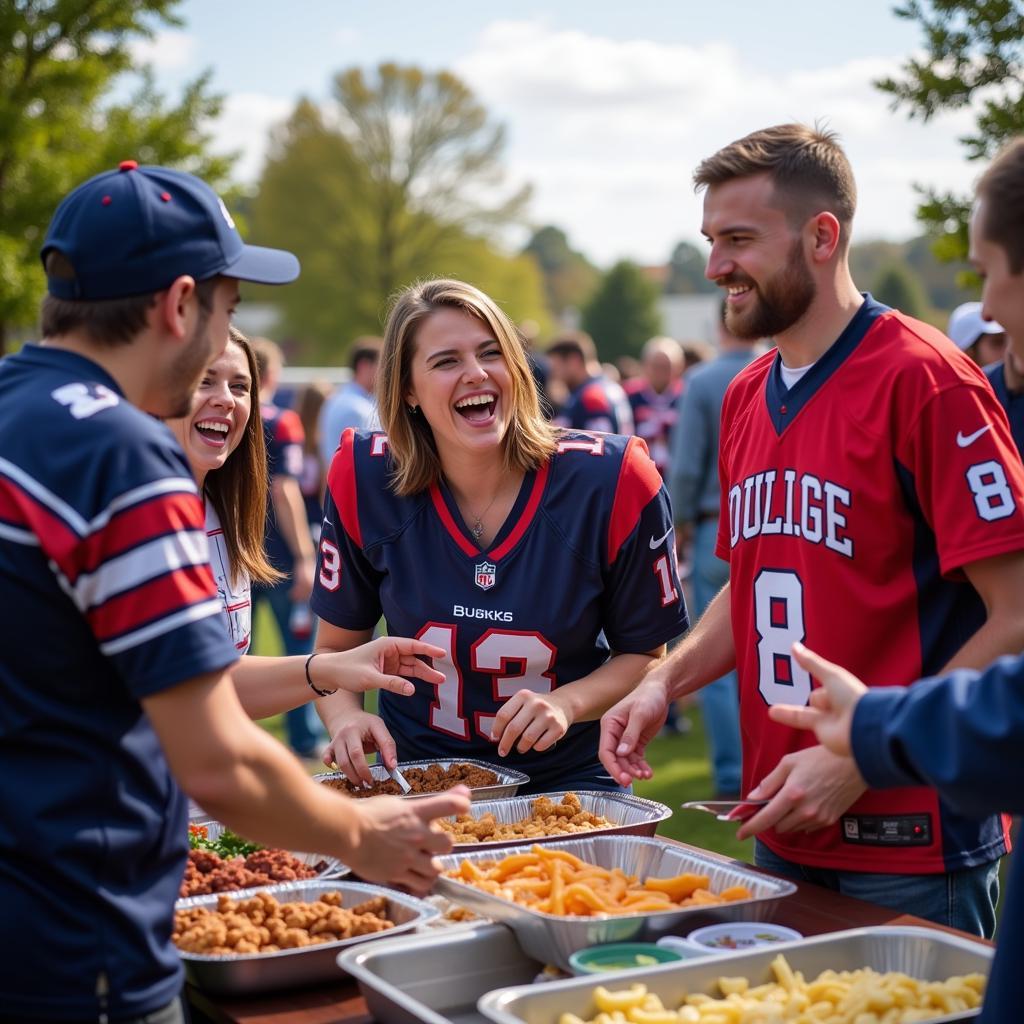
column 508, row 782
column 553, row 938
column 923, row 953
column 437, row 978
column 248, row 973
column 334, row 868
column 632, row 816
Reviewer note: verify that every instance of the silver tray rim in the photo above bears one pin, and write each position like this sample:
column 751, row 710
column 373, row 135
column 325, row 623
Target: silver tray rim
column 453, row 888
column 657, row 813
column 423, row 911
column 335, row 868
column 506, row 776
column 493, row 1004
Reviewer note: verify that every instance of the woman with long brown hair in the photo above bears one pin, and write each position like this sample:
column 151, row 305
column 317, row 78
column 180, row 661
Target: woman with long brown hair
column 222, row 437
column 539, row 559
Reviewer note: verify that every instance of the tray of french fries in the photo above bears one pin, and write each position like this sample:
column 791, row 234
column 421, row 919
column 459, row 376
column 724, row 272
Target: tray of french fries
column 561, row 897
column 506, row 781
column 372, row 912
column 548, row 817
column 911, row 974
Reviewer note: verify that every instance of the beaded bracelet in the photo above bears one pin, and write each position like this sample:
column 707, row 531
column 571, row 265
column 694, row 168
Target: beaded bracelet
column 316, row 689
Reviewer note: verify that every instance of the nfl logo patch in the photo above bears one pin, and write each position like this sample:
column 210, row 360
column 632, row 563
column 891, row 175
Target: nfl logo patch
column 484, row 574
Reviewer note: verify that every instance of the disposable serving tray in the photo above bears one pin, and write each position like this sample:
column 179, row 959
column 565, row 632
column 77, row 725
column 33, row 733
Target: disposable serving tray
column 508, row 782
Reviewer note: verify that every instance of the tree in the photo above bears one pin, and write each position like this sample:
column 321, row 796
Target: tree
column 623, row 313
column 974, row 51
column 398, row 179
column 686, row 272
column 569, row 277
column 899, row 287
column 58, row 62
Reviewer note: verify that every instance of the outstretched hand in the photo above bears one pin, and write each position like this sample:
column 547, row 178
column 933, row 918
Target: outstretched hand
column 830, row 712
column 378, row 665
column 628, row 727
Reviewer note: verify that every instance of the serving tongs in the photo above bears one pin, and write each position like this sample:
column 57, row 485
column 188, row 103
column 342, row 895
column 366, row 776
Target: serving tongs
column 400, row 779
column 725, row 810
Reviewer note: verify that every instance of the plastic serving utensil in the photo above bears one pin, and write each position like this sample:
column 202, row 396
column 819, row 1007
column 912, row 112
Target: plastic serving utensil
column 400, row 779
column 725, row 810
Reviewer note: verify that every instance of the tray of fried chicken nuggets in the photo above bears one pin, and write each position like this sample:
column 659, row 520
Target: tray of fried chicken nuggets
column 549, row 817
column 281, row 936
column 561, row 897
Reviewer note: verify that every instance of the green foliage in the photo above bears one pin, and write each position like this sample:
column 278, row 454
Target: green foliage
column 58, row 62
column 623, row 313
column 973, row 50
column 899, row 287
column 399, row 180
column 569, row 277
column 686, row 272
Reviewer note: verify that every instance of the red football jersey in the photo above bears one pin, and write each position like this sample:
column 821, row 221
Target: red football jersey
column 850, row 504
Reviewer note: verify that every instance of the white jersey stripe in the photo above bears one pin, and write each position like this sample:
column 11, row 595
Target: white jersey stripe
column 18, row 536
column 59, row 508
column 172, row 485
column 146, row 562
column 193, row 613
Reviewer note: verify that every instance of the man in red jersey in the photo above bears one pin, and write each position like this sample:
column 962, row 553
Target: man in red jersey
column 871, row 507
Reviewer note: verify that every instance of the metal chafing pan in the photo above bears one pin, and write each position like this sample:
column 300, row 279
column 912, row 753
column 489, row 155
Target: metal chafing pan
column 631, row 815
column 247, row 973
column 553, row 938
column 437, row 978
column 923, row 953
column 333, row 869
column 508, row 782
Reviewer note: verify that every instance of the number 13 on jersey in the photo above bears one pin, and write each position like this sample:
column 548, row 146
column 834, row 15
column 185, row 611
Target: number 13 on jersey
column 779, row 621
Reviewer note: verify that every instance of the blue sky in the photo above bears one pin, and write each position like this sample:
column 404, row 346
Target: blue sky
column 608, row 106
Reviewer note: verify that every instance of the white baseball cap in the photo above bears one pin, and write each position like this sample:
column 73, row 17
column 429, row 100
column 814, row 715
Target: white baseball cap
column 966, row 325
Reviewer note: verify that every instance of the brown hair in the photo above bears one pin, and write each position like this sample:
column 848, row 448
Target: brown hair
column 529, row 440
column 308, row 403
column 1002, row 188
column 107, row 322
column 238, row 490
column 573, row 343
column 268, row 356
column 808, row 168
column 365, row 348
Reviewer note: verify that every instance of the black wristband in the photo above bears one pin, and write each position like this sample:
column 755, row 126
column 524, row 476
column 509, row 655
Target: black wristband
column 316, row 689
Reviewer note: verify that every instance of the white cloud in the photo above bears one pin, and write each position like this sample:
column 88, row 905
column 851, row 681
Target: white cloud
column 609, row 131
column 166, row 51
column 244, row 127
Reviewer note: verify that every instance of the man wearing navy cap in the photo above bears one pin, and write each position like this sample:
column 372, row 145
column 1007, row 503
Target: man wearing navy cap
column 113, row 653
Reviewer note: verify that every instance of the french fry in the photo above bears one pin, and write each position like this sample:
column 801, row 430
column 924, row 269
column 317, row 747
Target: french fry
column 680, row 887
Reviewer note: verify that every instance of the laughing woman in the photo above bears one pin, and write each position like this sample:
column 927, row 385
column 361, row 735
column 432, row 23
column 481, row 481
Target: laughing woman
column 223, row 440
column 540, row 560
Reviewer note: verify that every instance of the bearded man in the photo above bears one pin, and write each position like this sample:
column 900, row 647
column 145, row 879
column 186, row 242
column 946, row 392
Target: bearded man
column 871, row 507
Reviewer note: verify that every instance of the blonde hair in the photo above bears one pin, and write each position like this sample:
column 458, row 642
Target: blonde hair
column 529, row 439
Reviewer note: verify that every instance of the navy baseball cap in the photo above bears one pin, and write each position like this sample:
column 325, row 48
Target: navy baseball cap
column 135, row 230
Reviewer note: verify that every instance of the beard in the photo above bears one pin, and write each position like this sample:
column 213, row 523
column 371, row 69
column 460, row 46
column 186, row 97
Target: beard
column 188, row 368
column 777, row 305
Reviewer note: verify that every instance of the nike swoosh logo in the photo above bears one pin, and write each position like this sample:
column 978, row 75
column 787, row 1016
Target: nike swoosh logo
column 964, row 442
column 661, row 540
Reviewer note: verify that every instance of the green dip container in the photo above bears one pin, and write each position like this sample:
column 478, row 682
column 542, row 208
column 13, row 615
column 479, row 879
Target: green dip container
column 621, row 956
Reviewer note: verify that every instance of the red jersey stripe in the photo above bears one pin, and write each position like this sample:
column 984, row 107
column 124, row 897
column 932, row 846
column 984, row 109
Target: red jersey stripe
column 21, row 509
column 341, row 479
column 527, row 517
column 449, row 523
column 639, row 481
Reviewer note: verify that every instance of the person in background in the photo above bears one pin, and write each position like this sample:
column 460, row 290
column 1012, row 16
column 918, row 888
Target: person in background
column 653, row 397
column 115, row 685
column 876, row 514
column 289, row 545
column 309, row 406
column 693, row 487
column 983, row 340
column 595, row 401
column 694, row 353
column 1007, row 380
column 352, row 404
column 541, row 558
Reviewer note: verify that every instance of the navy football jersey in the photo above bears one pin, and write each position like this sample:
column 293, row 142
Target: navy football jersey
column 598, row 404
column 584, row 564
column 107, row 598
column 284, row 436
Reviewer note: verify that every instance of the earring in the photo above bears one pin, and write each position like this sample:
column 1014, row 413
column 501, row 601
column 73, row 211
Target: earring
column 413, row 409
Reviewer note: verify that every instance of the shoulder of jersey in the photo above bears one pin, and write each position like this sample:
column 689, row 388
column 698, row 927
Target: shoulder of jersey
column 752, row 377
column 634, row 387
column 594, row 397
column 289, row 427
column 916, row 348
column 591, row 458
column 359, row 479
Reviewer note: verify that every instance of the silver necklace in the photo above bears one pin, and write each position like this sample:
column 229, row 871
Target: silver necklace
column 477, row 529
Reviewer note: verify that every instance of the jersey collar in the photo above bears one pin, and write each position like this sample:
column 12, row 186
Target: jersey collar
column 784, row 404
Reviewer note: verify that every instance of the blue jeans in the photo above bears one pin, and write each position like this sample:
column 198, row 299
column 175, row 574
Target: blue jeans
column 719, row 701
column 963, row 899
column 302, row 725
